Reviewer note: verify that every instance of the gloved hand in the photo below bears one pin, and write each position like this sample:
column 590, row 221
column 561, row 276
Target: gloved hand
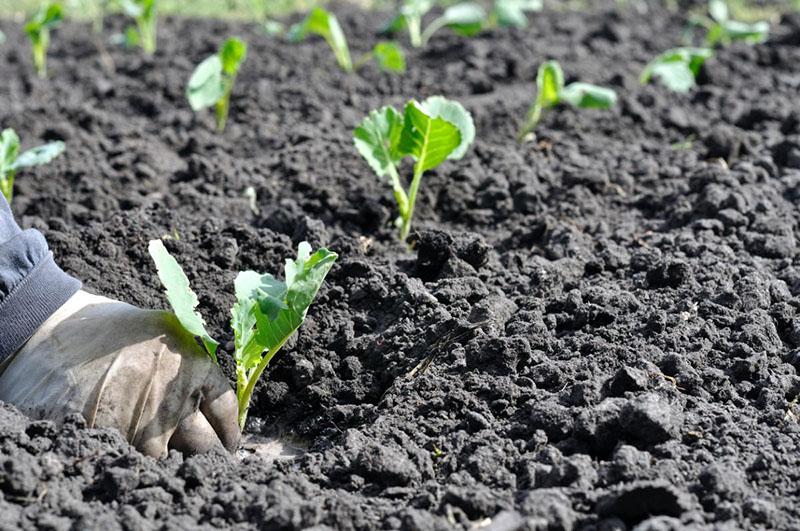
column 122, row 367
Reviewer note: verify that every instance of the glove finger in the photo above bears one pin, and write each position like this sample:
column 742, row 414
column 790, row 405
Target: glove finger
column 152, row 446
column 221, row 409
column 194, row 436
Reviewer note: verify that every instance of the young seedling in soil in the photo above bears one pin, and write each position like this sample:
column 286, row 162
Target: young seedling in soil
column 212, row 81
column 145, row 13
column 465, row 19
column 388, row 55
column 513, row 13
column 266, row 314
column 11, row 161
column 38, row 30
column 429, row 132
column 551, row 91
column 677, row 68
column 720, row 29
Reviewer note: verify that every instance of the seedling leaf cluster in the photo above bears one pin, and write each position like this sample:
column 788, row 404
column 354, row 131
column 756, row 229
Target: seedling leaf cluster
column 429, row 132
column 466, row 18
column 677, row 68
column 11, row 160
column 145, row 15
column 551, row 91
column 266, row 314
column 212, row 81
column 721, row 29
column 38, row 29
column 387, row 55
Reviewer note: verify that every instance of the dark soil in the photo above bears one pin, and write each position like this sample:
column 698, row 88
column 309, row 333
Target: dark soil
column 634, row 274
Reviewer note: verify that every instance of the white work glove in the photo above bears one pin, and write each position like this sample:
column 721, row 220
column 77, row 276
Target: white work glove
column 122, row 367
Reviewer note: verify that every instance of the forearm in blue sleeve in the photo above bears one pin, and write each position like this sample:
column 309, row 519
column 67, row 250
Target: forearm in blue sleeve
column 32, row 286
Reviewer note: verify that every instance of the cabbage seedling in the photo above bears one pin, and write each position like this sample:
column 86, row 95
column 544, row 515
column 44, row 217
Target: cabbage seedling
column 388, row 55
column 38, row 30
column 720, row 29
column 551, row 91
column 677, row 68
column 212, row 81
column 145, row 13
column 12, row 161
column 326, row 25
column 429, row 132
column 266, row 314
column 465, row 19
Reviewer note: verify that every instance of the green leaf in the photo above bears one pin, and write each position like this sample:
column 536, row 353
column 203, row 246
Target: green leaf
column 254, row 289
column 677, row 68
column 695, row 57
column 394, row 25
column 549, row 84
column 377, row 137
column 390, row 57
column 39, row 155
column 180, row 296
column 674, row 75
column 304, row 277
column 232, row 55
column 9, row 150
column 456, row 114
column 754, row 33
column 511, row 13
column 247, row 353
column 718, row 9
column 464, row 19
column 205, row 86
column 715, row 34
column 588, row 96
column 48, row 17
column 53, row 15
column 269, row 291
column 131, row 37
column 429, row 140
column 321, row 22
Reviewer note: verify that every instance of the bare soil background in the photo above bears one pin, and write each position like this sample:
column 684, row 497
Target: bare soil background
column 637, row 272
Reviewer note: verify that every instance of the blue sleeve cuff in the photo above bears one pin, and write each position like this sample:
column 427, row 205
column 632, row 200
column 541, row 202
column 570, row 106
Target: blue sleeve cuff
column 43, row 291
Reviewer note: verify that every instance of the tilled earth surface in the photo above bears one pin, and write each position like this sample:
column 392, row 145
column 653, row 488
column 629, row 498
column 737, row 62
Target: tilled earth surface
column 599, row 329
